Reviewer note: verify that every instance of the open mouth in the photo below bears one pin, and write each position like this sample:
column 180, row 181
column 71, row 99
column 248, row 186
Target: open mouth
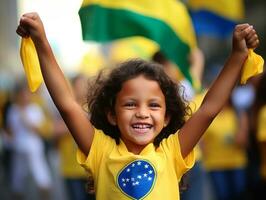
column 141, row 128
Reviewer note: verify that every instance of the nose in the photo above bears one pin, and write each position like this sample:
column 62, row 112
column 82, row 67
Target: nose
column 142, row 113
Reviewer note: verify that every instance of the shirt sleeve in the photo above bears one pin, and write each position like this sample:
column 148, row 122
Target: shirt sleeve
column 100, row 145
column 172, row 147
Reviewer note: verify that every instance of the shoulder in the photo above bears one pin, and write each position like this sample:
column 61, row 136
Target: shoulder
column 100, row 136
column 101, row 142
column 101, row 146
column 172, row 148
column 171, row 142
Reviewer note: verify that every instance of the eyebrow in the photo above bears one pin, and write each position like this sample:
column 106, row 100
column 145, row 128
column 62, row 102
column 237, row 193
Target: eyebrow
column 127, row 98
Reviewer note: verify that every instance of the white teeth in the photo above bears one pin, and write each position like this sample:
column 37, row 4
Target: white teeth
column 141, row 126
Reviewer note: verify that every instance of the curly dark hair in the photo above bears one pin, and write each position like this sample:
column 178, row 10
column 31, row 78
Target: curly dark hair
column 103, row 90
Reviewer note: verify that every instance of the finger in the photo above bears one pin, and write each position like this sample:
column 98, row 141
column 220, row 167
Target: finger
column 29, row 19
column 22, row 32
column 25, row 21
column 253, row 44
column 21, row 29
column 241, row 27
column 32, row 15
column 251, row 34
column 252, row 39
column 242, row 33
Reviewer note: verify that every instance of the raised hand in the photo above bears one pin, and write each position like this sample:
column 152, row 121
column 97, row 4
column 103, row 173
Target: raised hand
column 244, row 38
column 31, row 25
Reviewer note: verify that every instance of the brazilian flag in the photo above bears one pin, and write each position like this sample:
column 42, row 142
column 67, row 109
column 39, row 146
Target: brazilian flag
column 166, row 22
column 216, row 18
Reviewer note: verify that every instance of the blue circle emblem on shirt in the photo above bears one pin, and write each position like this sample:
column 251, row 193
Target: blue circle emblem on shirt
column 137, row 179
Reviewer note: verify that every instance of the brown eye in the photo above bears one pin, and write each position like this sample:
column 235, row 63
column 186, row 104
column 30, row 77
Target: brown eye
column 130, row 104
column 154, row 105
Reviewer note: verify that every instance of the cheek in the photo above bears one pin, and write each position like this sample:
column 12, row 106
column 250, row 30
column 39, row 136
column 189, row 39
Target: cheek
column 124, row 116
column 160, row 117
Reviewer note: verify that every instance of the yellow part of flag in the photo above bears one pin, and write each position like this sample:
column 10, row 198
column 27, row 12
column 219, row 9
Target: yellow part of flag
column 31, row 64
column 253, row 66
column 233, row 10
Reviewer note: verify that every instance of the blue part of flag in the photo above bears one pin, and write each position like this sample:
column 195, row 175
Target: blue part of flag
column 137, row 179
column 208, row 23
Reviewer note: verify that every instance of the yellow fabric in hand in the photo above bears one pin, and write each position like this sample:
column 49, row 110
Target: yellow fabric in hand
column 31, row 64
column 253, row 66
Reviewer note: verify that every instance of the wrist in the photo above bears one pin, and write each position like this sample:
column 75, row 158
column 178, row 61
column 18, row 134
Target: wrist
column 241, row 55
column 41, row 43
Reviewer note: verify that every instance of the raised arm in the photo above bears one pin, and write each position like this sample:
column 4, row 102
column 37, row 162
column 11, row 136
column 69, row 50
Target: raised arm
column 244, row 37
column 75, row 118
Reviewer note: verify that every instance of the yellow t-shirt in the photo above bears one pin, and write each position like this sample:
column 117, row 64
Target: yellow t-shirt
column 69, row 167
column 120, row 174
column 261, row 137
column 261, row 134
column 219, row 149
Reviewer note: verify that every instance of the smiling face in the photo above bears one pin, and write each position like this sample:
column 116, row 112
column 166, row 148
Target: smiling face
column 140, row 112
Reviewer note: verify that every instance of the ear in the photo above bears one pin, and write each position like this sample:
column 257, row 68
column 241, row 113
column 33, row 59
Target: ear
column 166, row 120
column 111, row 118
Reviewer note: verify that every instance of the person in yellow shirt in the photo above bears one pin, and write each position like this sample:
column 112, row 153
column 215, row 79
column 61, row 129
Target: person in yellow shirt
column 137, row 143
column 224, row 154
column 259, row 123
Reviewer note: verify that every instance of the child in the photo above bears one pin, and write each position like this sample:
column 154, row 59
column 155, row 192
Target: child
column 137, row 144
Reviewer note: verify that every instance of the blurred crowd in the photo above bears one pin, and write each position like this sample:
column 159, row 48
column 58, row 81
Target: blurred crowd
column 38, row 154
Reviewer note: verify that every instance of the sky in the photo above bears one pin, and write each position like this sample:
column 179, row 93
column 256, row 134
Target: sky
column 63, row 30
